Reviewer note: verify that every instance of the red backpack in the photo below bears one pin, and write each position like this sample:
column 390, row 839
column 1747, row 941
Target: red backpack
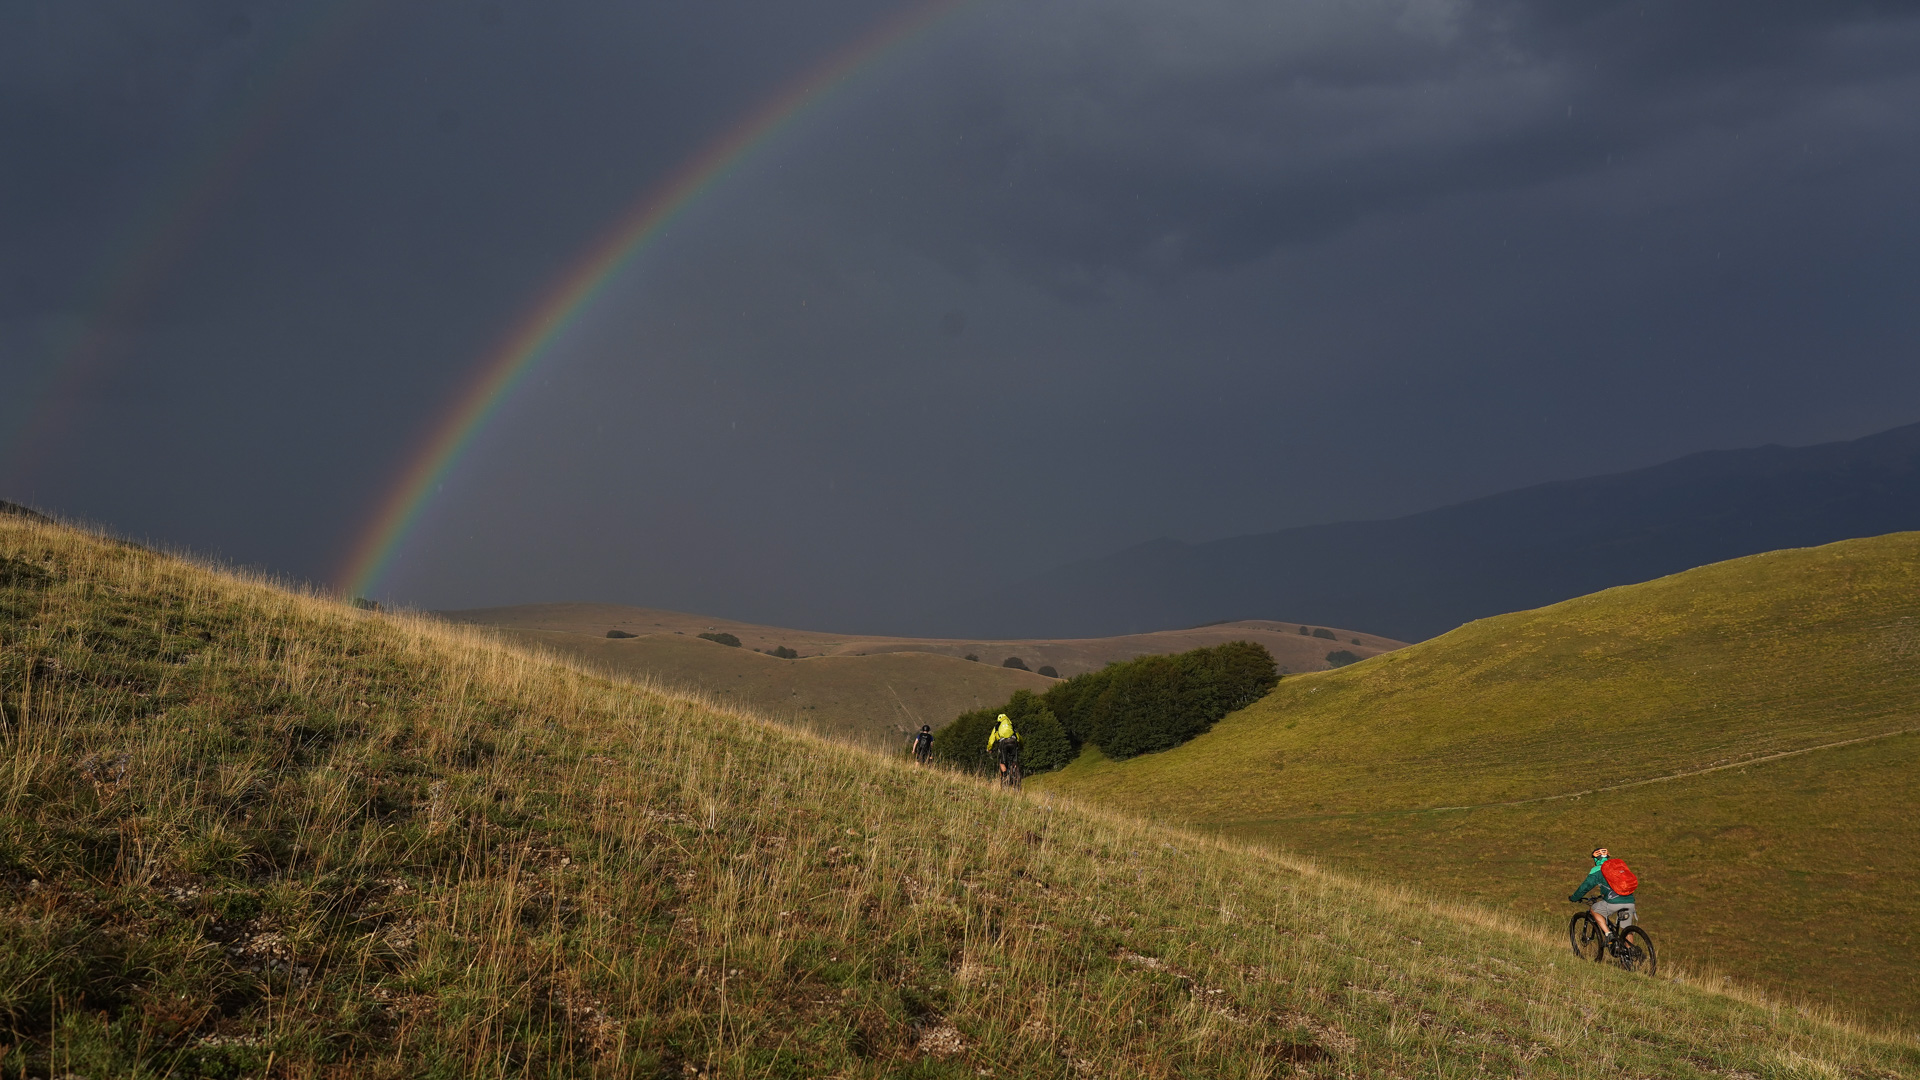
column 1618, row 877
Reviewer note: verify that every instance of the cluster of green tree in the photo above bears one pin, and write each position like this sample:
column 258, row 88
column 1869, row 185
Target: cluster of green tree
column 723, row 638
column 1044, row 745
column 1126, row 709
column 784, row 653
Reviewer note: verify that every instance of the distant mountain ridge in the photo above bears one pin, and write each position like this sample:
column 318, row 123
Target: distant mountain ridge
column 1414, row 577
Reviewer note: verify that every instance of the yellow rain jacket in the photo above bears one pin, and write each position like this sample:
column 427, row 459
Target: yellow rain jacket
column 1003, row 730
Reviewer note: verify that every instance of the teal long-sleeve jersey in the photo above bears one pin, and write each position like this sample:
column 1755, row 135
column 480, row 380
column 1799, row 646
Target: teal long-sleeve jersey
column 1594, row 877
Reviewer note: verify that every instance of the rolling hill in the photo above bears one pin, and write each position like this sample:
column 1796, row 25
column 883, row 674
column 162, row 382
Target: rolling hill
column 247, row 832
column 1746, row 734
column 870, row 689
column 872, row 700
column 1418, row 576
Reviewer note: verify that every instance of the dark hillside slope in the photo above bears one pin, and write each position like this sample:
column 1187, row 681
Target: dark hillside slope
column 16, row 510
column 1414, row 577
column 245, row 833
column 1746, row 734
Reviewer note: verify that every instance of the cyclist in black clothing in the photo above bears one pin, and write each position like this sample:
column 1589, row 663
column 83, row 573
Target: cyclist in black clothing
column 923, row 744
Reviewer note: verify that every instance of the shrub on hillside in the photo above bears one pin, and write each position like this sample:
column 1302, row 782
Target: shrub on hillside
column 1044, row 745
column 785, row 653
column 1343, row 657
column 723, row 638
column 1014, row 662
column 618, row 634
column 1323, row 632
column 1304, row 631
column 963, row 743
column 1150, row 703
column 1048, row 671
column 973, row 657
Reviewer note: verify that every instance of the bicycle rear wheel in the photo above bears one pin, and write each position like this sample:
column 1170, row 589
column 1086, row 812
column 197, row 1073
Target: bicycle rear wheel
column 1635, row 951
column 1013, row 775
column 1585, row 938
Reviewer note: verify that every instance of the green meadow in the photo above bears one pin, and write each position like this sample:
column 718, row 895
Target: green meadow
column 1746, row 735
column 250, row 832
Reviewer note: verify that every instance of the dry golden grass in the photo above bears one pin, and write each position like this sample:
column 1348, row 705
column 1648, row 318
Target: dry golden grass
column 871, row 690
column 249, row 832
column 873, row 700
column 1293, row 651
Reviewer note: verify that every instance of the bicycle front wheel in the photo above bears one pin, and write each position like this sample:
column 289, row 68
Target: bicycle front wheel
column 1585, row 938
column 1635, row 951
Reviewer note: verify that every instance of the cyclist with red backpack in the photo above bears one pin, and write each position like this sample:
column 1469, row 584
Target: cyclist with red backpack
column 1617, row 885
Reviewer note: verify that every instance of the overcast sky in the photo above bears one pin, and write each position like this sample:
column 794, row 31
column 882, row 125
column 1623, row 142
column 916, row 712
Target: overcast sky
column 1054, row 278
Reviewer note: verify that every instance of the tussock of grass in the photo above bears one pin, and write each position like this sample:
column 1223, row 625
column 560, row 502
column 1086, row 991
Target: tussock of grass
column 247, row 832
column 1746, row 734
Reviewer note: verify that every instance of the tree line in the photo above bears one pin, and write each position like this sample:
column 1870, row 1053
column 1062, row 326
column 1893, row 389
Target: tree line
column 1126, row 709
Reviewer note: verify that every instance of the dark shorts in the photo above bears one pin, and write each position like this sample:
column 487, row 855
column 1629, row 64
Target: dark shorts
column 1006, row 751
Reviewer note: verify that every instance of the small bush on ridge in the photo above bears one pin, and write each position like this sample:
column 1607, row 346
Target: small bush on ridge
column 1044, row 745
column 1139, row 706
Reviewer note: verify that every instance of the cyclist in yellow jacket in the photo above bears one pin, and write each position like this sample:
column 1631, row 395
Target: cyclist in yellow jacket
column 1004, row 742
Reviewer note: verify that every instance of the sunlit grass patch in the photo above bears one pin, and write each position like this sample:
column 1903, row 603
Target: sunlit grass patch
column 1745, row 734
column 246, row 831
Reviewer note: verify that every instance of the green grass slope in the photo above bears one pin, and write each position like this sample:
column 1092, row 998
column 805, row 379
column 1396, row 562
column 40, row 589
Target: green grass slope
column 1746, row 734
column 245, row 832
column 873, row 700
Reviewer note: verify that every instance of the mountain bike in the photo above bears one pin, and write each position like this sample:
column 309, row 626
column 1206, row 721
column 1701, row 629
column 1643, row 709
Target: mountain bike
column 1011, row 758
column 1625, row 942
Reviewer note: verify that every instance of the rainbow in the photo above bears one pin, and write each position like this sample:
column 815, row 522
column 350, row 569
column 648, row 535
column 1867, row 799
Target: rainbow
column 507, row 367
column 173, row 215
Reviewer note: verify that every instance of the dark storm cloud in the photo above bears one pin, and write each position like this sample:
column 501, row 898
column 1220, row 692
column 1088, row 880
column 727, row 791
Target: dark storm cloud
column 1056, row 277
column 352, row 202
column 1147, row 136
column 90, row 97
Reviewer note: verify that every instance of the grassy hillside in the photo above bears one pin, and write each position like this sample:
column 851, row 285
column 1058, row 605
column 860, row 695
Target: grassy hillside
column 249, row 833
column 1292, row 650
column 873, row 700
column 870, row 690
column 1746, row 734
